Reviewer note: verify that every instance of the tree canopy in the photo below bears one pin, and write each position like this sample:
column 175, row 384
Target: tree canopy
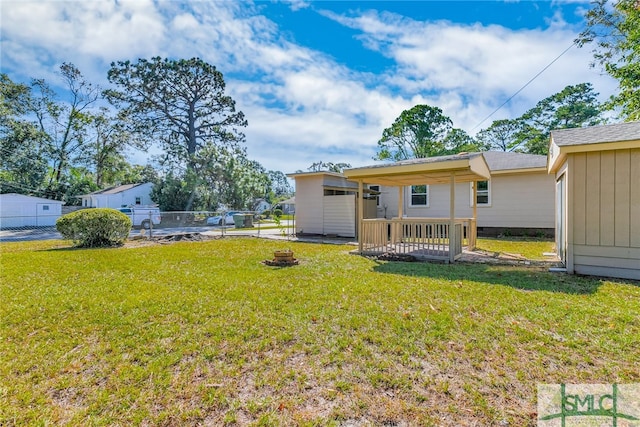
column 613, row 29
column 180, row 103
column 418, row 132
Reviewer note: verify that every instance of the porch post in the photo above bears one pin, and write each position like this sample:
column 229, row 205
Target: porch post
column 452, row 216
column 473, row 229
column 400, row 201
column 360, row 213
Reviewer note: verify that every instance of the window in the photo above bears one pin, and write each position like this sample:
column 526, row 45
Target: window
column 45, row 207
column 419, row 195
column 483, row 194
column 138, row 201
column 376, row 196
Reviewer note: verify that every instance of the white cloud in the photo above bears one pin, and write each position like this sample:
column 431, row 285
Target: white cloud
column 302, row 106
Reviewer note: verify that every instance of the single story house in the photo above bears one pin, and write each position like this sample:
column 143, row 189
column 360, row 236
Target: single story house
column 288, row 206
column 597, row 182
column 19, row 210
column 326, row 204
column 119, row 196
column 517, row 199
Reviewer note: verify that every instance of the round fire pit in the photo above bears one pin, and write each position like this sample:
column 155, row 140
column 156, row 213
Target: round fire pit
column 282, row 259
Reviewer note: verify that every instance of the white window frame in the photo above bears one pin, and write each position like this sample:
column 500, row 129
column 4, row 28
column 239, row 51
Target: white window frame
column 488, row 191
column 411, row 194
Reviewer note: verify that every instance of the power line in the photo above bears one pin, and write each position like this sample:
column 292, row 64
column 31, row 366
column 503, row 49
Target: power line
column 523, row 87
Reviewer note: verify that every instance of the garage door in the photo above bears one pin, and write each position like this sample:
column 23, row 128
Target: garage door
column 340, row 215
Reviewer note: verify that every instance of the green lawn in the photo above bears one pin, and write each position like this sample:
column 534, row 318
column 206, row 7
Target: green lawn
column 202, row 333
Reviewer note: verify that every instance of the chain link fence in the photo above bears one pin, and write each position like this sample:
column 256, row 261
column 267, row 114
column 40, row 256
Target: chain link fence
column 220, row 223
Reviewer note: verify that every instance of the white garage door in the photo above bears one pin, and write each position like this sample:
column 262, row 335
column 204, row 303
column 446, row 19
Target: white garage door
column 340, row 215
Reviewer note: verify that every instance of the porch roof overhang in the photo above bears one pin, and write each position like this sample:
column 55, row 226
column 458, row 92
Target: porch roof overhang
column 432, row 170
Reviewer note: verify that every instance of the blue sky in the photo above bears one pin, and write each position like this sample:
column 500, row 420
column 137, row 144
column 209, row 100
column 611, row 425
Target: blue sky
column 320, row 80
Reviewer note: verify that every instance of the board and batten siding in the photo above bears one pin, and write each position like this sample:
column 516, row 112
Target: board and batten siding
column 519, row 200
column 309, row 205
column 605, row 214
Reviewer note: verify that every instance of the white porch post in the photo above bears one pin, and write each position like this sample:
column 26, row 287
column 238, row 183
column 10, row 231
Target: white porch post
column 360, row 214
column 452, row 216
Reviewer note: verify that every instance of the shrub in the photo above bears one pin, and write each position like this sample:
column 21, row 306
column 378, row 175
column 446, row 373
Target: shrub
column 266, row 213
column 95, row 227
column 277, row 213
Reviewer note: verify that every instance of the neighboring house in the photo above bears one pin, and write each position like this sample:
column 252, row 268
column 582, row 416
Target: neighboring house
column 597, row 174
column 326, row 204
column 119, row 196
column 518, row 199
column 18, row 210
column 288, row 206
column 261, row 205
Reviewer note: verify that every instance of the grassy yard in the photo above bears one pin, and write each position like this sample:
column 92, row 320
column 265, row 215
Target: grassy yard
column 202, row 333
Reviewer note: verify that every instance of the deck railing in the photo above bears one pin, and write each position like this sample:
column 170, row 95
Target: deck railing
column 422, row 237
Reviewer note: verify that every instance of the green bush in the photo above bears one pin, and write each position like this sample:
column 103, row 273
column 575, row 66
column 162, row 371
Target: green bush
column 95, row 227
column 277, row 213
column 266, row 213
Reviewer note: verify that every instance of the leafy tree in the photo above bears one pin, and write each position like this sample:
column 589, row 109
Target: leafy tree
column 501, row 135
column 180, row 103
column 459, row 141
column 418, row 132
column 175, row 192
column 64, row 124
column 614, row 29
column 279, row 187
column 574, row 106
column 23, row 166
column 328, row 167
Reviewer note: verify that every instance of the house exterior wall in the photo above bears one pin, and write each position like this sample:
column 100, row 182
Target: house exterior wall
column 604, row 213
column 524, row 200
column 18, row 210
column 118, row 200
column 309, row 205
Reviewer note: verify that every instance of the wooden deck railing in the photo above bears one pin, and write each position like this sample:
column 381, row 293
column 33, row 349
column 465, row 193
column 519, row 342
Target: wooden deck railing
column 422, row 237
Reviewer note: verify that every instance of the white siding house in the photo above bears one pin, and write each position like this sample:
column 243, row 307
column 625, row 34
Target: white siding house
column 119, row 196
column 597, row 173
column 519, row 197
column 18, row 210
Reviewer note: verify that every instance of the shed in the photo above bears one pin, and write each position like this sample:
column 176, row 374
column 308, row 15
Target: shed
column 326, row 204
column 19, row 210
column 119, row 196
column 597, row 172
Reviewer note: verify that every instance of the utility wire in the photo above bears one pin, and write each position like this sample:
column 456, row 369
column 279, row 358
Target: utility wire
column 522, row 88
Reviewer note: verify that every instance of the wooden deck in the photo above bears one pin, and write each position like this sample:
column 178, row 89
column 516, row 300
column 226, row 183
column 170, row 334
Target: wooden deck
column 423, row 238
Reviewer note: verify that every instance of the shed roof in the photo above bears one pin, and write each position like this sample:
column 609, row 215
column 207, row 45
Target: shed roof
column 628, row 131
column 617, row 136
column 25, row 198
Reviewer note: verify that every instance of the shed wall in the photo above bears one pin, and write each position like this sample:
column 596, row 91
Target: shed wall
column 309, row 205
column 605, row 214
column 340, row 215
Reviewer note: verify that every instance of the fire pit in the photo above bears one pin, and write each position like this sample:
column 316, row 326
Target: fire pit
column 282, row 259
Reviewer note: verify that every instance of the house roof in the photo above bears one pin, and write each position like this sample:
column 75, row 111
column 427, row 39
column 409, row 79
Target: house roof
column 115, row 189
column 618, row 136
column 501, row 161
column 430, row 170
